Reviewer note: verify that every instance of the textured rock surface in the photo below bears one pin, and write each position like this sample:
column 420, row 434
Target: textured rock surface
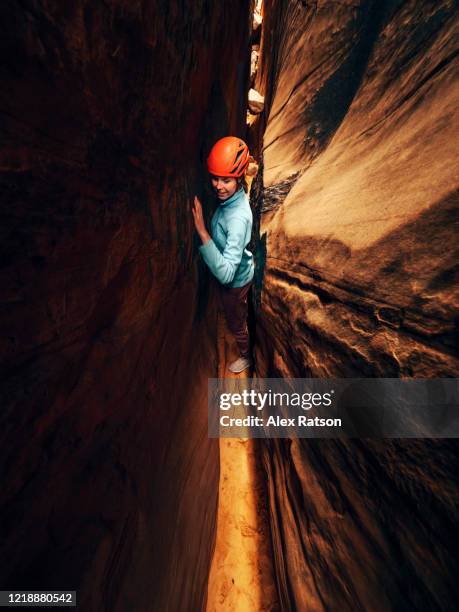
column 109, row 481
column 359, row 242
column 256, row 102
column 370, row 525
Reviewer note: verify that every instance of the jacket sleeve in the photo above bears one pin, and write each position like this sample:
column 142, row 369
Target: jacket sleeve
column 224, row 265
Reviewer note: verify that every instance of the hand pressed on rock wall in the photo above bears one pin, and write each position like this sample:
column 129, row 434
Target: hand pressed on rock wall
column 199, row 223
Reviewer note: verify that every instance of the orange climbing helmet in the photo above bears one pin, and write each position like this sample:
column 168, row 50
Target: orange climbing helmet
column 228, row 157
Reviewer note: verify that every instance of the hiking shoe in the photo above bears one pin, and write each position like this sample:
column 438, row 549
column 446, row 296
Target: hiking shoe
column 240, row 364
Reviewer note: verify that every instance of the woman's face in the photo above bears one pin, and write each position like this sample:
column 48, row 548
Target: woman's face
column 224, row 186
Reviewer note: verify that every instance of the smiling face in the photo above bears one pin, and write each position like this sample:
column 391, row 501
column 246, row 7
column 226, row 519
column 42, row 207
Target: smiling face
column 224, row 186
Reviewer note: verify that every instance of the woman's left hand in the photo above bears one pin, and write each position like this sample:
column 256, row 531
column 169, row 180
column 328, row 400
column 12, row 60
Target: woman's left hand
column 198, row 217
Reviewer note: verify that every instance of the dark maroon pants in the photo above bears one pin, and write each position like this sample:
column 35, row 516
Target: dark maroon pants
column 234, row 303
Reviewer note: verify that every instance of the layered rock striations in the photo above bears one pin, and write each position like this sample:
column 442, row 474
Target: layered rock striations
column 109, row 482
column 359, row 248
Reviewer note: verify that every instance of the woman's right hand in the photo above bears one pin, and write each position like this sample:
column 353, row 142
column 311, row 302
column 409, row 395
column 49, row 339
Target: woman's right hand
column 199, row 222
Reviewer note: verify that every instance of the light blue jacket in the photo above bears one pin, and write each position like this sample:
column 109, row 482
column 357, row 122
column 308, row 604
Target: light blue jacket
column 225, row 254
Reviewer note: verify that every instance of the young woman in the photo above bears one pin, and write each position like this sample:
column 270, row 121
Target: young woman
column 225, row 250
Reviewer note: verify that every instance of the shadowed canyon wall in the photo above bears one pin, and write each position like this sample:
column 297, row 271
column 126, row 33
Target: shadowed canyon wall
column 109, row 481
column 359, row 252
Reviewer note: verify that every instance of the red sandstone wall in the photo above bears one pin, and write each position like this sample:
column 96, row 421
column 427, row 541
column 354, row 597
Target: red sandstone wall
column 109, row 481
column 357, row 276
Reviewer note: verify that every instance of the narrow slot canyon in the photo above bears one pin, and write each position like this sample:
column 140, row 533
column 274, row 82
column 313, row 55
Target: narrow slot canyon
column 110, row 483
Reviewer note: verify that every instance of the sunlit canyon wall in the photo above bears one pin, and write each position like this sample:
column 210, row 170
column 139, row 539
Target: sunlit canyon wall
column 357, row 277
